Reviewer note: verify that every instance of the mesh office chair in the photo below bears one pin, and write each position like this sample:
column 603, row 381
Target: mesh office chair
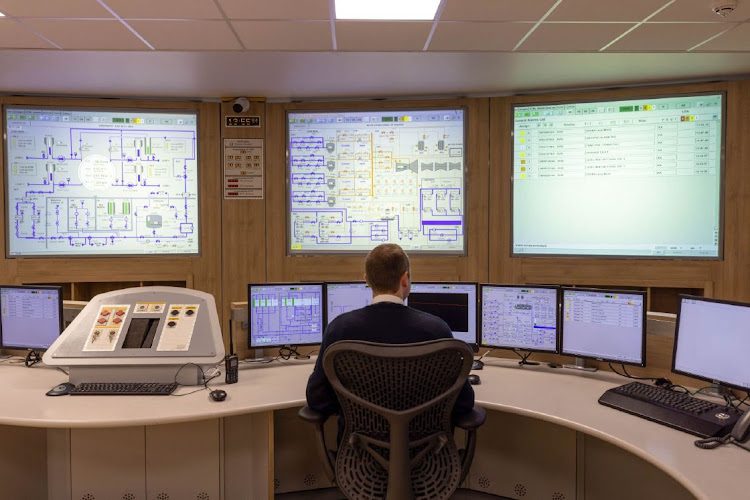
column 397, row 402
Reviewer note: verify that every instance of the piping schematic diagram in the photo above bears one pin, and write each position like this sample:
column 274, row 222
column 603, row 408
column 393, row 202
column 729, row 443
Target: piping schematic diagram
column 91, row 182
column 358, row 179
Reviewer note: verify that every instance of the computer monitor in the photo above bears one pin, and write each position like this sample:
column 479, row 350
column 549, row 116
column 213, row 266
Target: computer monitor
column 712, row 340
column 31, row 317
column 606, row 325
column 456, row 303
column 345, row 296
column 519, row 317
column 285, row 314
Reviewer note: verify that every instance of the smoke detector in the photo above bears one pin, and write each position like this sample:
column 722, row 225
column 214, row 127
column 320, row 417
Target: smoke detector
column 723, row 8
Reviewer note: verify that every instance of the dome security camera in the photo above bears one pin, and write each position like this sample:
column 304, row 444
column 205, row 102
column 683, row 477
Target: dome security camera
column 240, row 105
column 723, row 8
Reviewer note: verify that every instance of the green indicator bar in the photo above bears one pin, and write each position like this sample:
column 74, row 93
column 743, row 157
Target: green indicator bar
column 387, row 119
column 626, row 108
column 118, row 120
column 609, row 296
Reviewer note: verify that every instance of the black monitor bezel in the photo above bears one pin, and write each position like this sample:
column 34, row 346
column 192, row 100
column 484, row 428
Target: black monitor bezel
column 599, row 358
column 476, row 288
column 676, row 338
column 594, row 100
column 59, row 290
column 273, row 346
column 396, row 108
column 523, row 349
column 326, row 283
column 104, row 109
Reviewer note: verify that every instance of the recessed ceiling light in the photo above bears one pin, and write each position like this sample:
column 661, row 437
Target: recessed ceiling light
column 402, row 10
column 2, row 15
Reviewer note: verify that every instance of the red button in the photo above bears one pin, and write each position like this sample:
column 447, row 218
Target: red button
column 105, row 313
column 120, row 312
column 102, row 321
column 116, row 320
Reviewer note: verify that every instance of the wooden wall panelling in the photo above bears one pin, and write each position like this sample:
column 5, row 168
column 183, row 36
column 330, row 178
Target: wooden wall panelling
column 243, row 237
column 472, row 267
column 201, row 272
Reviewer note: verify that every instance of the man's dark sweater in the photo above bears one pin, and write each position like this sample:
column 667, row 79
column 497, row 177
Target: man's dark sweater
column 385, row 323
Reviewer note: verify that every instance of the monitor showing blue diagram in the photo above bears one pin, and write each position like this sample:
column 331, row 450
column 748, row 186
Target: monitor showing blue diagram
column 519, row 317
column 87, row 182
column 346, row 296
column 358, row 179
column 289, row 314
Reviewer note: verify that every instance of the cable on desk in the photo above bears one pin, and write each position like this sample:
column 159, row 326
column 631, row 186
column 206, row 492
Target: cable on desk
column 627, row 375
column 203, row 376
column 287, row 352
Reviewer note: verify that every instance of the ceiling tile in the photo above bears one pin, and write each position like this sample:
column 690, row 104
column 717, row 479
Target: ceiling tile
column 495, row 10
column 285, row 35
column 15, row 36
column 67, row 8
column 573, row 37
column 700, row 11
column 276, row 9
column 735, row 40
column 187, row 35
column 602, row 11
column 87, row 35
column 381, row 36
column 478, row 36
column 165, row 9
column 666, row 37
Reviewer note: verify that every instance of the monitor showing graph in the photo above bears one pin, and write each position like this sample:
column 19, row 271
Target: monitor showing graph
column 88, row 182
column 632, row 178
column 455, row 303
column 519, row 317
column 288, row 314
column 343, row 297
column 360, row 178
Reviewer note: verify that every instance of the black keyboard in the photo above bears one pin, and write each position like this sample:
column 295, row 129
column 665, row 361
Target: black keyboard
column 123, row 389
column 672, row 408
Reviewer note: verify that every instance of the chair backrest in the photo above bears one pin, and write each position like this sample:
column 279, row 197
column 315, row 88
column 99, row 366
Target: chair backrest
column 397, row 402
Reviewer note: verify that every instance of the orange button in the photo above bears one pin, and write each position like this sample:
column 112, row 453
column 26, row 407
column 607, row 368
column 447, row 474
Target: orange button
column 116, row 320
column 120, row 312
column 105, row 313
column 102, row 321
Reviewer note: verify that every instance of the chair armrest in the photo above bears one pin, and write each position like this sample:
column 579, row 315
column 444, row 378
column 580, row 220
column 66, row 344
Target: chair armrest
column 472, row 420
column 314, row 417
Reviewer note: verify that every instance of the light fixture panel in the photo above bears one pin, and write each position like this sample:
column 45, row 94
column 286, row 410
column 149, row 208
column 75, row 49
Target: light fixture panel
column 390, row 10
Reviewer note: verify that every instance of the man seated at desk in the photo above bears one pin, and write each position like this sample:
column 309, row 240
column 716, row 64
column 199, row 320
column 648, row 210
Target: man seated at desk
column 386, row 321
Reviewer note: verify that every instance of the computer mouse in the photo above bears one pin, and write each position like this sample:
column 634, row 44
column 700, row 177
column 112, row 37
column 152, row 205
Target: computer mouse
column 61, row 389
column 474, row 379
column 218, row 395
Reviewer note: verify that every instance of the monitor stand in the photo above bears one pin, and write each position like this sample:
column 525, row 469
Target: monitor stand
column 582, row 365
column 524, row 358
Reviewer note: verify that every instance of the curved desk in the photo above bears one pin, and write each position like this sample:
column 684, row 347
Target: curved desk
column 238, row 433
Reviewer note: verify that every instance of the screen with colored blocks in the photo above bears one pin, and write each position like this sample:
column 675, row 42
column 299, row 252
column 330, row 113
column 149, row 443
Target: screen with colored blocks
column 635, row 178
column 285, row 314
column 90, row 182
column 519, row 317
column 359, row 179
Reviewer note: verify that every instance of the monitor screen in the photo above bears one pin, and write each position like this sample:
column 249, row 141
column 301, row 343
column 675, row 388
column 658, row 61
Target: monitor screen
column 455, row 303
column 519, row 317
column 636, row 178
column 285, row 314
column 88, row 182
column 712, row 340
column 605, row 325
column 346, row 296
column 360, row 178
column 31, row 317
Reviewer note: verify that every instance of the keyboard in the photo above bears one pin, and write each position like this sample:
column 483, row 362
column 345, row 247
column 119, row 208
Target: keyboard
column 672, row 408
column 123, row 389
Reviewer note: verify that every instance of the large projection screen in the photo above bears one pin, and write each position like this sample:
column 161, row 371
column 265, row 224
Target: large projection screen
column 100, row 182
column 360, row 178
column 632, row 178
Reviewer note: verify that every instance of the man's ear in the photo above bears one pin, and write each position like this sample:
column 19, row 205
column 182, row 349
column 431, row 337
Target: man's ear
column 405, row 279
